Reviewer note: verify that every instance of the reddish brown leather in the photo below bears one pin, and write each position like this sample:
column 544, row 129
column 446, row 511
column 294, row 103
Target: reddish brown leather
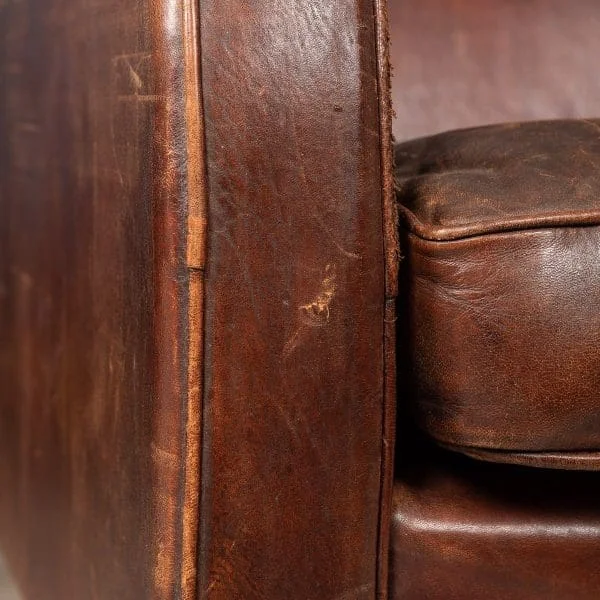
column 295, row 302
column 501, row 264
column 463, row 63
column 92, row 298
column 463, row 530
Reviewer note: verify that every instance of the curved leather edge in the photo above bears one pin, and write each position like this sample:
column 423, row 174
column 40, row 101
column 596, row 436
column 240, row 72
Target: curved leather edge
column 180, row 234
column 572, row 461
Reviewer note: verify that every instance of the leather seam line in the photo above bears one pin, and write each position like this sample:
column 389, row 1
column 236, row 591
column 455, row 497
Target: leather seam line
column 412, row 224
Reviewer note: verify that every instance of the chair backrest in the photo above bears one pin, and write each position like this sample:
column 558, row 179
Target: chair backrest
column 460, row 63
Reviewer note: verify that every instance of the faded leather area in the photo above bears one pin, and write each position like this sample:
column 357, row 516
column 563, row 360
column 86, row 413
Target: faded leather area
column 93, row 298
column 500, row 178
column 502, row 329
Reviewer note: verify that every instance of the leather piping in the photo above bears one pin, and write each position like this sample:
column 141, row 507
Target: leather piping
column 196, row 262
column 442, row 234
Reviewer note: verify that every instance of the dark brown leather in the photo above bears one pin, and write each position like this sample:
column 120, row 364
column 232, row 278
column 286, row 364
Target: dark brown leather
column 501, row 263
column 463, row 63
column 463, row 530
column 120, row 421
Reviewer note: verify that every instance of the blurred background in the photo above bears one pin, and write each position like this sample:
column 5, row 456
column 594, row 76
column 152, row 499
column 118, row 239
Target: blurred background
column 7, row 589
column 460, row 63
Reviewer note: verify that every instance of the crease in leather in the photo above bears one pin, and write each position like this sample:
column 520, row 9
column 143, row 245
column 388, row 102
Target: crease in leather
column 580, row 460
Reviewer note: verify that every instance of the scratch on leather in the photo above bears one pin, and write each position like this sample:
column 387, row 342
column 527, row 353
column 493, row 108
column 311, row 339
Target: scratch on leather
column 315, row 313
column 163, row 454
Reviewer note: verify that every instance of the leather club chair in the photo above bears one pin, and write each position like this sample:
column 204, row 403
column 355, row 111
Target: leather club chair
column 243, row 356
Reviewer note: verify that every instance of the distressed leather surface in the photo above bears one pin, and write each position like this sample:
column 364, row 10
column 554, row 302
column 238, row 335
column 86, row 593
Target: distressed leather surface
column 501, row 266
column 295, row 281
column 120, row 422
column 463, row 530
column 500, row 178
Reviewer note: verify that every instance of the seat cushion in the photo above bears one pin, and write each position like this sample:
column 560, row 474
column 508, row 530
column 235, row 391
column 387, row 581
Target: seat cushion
column 500, row 315
column 463, row 530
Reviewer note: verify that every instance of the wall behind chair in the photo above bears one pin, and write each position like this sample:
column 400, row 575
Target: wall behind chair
column 460, row 63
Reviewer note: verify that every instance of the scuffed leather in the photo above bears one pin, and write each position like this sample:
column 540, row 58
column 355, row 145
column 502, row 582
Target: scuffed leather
column 291, row 507
column 501, row 267
column 92, row 289
column 142, row 387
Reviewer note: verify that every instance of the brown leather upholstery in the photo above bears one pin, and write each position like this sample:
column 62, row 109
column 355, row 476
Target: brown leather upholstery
column 463, row 530
column 194, row 382
column 501, row 240
column 295, row 290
